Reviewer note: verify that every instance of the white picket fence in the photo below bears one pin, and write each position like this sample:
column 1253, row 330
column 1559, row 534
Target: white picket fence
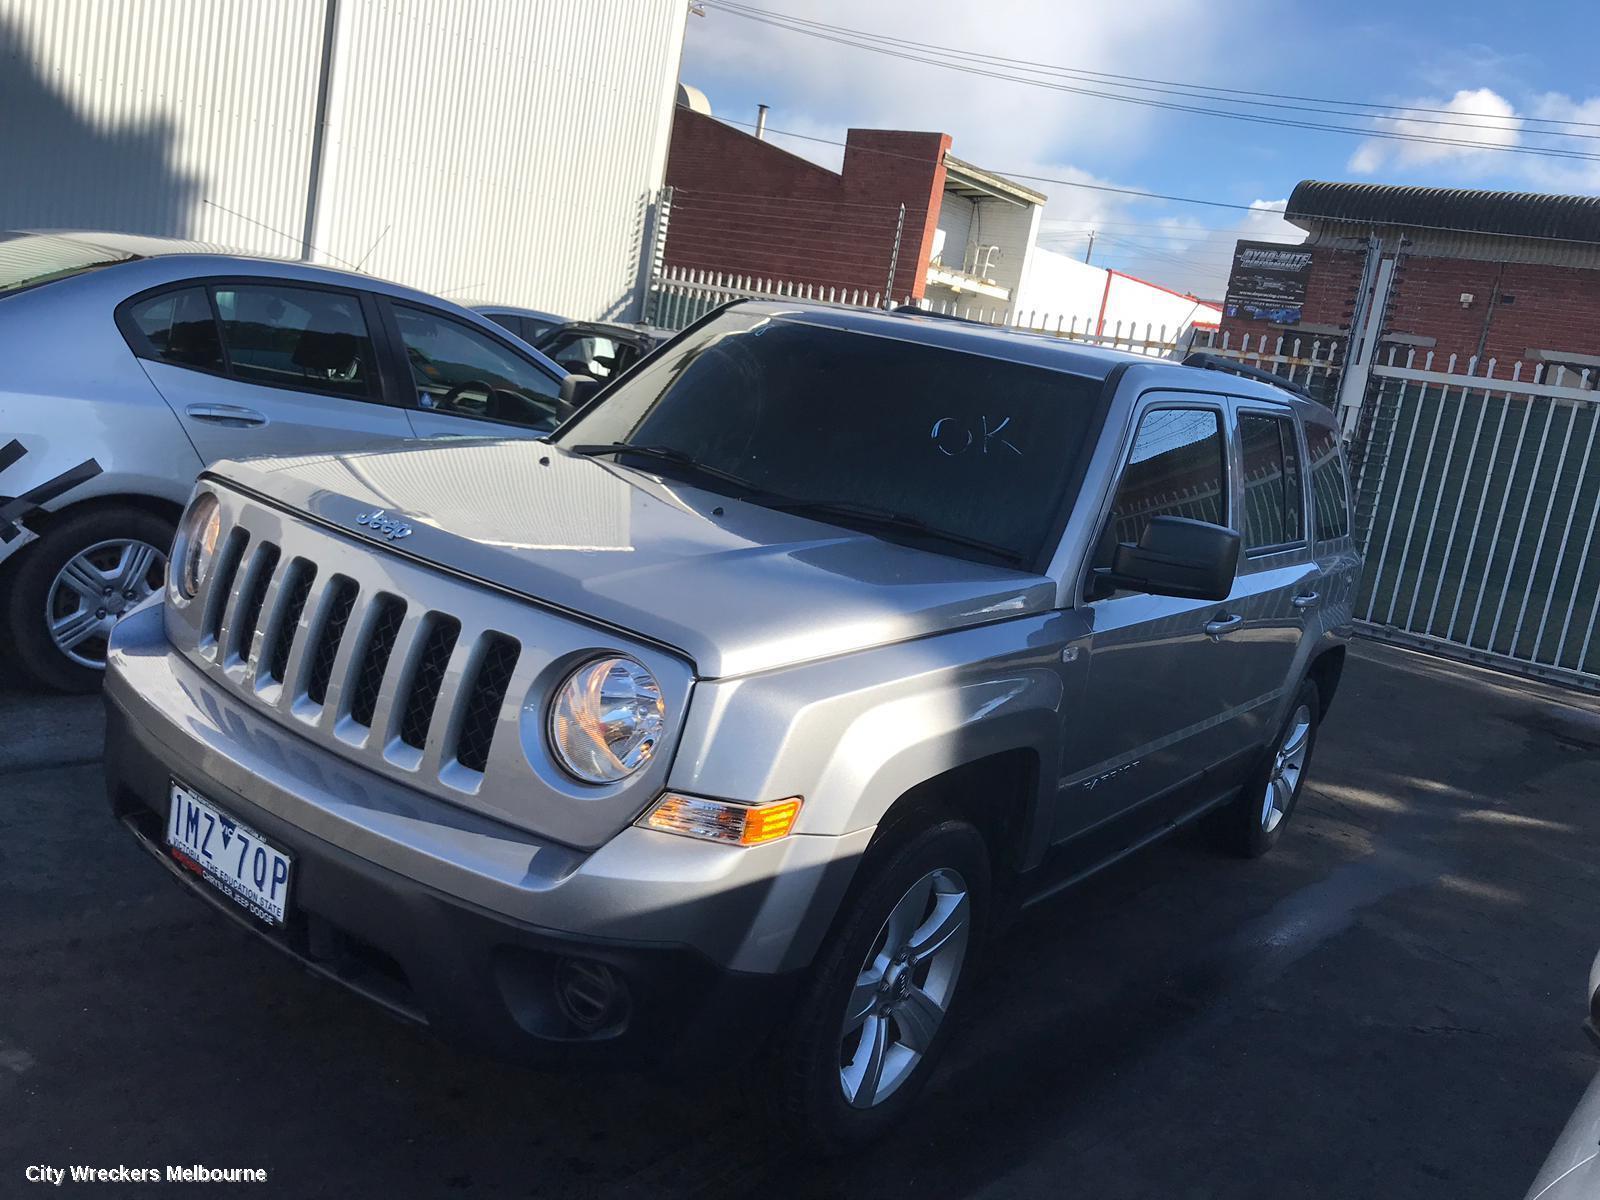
column 680, row 296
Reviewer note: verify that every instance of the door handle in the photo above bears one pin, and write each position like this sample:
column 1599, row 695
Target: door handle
column 1309, row 600
column 226, row 414
column 1224, row 624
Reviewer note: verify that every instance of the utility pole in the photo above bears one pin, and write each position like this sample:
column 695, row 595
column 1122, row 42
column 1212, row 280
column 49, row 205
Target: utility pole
column 894, row 258
column 1089, row 249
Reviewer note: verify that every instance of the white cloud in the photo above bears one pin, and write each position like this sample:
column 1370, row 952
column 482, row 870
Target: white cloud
column 994, row 123
column 1485, row 117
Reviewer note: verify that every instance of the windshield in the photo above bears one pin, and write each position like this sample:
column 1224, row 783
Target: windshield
column 29, row 259
column 964, row 444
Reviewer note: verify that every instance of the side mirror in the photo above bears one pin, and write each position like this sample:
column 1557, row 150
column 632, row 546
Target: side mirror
column 1178, row 556
column 575, row 393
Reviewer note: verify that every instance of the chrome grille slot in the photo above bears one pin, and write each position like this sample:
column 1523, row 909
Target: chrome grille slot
column 340, row 603
column 262, row 564
column 388, row 612
column 295, row 593
column 221, row 583
column 485, row 692
column 438, row 643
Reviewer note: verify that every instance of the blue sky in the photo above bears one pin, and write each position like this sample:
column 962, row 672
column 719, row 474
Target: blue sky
column 1506, row 63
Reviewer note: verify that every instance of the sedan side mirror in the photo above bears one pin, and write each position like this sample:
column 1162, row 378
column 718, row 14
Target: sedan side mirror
column 1178, row 556
column 575, row 393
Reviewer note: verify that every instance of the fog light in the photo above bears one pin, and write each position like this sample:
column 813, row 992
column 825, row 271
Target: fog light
column 589, row 993
column 723, row 820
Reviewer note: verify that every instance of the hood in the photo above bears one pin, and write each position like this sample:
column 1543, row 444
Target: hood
column 735, row 587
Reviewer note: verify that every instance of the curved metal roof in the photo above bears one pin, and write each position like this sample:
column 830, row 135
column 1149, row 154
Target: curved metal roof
column 1512, row 214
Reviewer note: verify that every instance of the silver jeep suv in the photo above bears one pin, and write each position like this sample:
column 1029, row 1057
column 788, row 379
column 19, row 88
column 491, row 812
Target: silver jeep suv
column 738, row 713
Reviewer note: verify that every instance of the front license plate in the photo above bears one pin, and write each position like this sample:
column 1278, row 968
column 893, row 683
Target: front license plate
column 228, row 854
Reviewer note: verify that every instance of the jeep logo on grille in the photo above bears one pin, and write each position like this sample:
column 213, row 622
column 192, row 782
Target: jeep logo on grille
column 384, row 526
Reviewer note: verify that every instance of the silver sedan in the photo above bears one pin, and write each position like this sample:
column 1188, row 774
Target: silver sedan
column 129, row 364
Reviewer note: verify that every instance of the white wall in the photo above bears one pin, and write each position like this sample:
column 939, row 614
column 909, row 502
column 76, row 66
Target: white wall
column 492, row 149
column 1061, row 286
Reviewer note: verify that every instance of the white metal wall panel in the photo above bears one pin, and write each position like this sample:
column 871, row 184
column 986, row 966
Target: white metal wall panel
column 183, row 118
column 500, row 150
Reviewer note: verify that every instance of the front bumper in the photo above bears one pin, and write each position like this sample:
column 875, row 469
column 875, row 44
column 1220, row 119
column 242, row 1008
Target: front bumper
column 451, row 919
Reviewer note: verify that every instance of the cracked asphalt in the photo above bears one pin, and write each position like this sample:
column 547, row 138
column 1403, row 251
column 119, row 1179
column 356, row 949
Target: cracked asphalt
column 1388, row 1005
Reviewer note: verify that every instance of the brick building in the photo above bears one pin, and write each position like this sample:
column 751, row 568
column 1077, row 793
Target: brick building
column 744, row 206
column 967, row 242
column 1504, row 275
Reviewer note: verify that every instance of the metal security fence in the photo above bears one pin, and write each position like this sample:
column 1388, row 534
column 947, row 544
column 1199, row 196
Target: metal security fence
column 1477, row 502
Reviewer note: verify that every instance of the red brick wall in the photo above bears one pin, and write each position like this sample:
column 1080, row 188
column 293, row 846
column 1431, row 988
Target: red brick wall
column 746, row 207
column 1538, row 307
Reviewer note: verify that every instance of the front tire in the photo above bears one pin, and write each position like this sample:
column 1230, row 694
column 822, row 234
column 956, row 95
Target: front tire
column 69, row 587
column 875, row 1014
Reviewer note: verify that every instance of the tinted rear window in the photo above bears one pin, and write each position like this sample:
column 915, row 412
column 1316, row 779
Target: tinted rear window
column 28, row 260
column 971, row 445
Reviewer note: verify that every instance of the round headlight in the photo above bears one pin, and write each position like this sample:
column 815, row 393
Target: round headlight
column 606, row 720
column 196, row 545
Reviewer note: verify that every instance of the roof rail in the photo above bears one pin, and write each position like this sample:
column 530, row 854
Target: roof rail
column 1229, row 366
column 913, row 310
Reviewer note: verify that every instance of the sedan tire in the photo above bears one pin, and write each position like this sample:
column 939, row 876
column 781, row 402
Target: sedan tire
column 69, row 588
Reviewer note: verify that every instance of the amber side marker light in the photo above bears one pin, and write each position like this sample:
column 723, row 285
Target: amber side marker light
column 722, row 820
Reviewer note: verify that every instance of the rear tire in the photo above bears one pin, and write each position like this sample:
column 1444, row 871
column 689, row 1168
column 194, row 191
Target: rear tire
column 901, row 953
column 1252, row 824
column 119, row 552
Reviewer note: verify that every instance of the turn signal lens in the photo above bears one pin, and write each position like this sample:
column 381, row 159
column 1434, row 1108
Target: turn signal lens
column 723, row 820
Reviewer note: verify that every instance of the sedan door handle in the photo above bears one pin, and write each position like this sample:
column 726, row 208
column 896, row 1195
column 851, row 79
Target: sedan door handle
column 226, row 414
column 1309, row 600
column 1224, row 624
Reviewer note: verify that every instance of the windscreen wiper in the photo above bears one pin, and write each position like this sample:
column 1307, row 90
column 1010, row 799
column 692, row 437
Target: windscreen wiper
column 883, row 518
column 676, row 458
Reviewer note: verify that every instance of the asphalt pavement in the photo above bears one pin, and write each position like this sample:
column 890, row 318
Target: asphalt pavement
column 1388, row 1005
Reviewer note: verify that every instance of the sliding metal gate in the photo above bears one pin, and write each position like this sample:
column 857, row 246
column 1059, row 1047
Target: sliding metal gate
column 1477, row 506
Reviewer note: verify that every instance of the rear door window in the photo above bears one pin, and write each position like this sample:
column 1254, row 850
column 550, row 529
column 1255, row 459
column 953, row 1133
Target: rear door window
column 178, row 328
column 307, row 339
column 1330, row 502
column 1273, row 494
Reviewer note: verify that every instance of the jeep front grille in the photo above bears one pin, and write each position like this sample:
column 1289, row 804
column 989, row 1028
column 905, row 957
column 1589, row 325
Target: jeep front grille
column 381, row 673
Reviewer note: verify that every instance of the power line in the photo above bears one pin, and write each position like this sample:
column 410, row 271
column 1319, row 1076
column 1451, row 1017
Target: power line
column 1360, row 223
column 1188, row 88
column 787, row 24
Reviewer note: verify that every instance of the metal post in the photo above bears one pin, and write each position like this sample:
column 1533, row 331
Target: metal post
column 1089, row 249
column 658, row 254
column 894, row 258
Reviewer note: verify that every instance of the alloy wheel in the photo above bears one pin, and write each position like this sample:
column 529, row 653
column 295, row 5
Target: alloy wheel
column 904, row 988
column 92, row 591
column 1288, row 765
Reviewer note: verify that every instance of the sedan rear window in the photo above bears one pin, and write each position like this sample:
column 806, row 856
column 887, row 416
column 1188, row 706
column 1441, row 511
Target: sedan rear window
column 963, row 444
column 295, row 337
column 30, row 259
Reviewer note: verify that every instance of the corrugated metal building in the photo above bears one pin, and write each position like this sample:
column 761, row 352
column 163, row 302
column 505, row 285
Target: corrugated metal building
column 488, row 150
